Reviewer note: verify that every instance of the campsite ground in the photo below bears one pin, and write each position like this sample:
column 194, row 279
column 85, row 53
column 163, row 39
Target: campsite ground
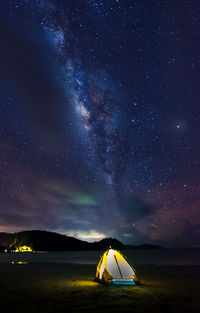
column 45, row 288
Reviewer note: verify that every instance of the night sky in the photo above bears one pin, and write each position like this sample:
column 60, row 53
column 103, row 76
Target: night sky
column 100, row 119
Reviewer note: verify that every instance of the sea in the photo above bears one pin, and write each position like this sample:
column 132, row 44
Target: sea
column 189, row 256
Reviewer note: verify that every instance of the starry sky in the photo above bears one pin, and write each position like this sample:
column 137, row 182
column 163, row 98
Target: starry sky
column 99, row 119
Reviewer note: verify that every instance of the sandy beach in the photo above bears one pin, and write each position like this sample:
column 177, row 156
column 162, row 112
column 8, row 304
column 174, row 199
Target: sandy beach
column 45, row 288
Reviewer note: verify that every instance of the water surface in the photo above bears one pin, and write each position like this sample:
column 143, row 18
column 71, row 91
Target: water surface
column 156, row 257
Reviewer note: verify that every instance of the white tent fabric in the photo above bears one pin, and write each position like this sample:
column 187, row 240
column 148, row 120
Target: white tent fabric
column 113, row 267
column 117, row 266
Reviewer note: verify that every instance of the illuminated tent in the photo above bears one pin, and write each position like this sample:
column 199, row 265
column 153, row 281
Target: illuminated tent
column 114, row 269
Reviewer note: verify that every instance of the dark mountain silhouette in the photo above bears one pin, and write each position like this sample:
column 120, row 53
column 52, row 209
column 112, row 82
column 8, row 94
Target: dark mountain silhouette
column 106, row 243
column 40, row 240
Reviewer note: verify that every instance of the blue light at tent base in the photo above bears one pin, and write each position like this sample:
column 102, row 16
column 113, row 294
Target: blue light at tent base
column 118, row 282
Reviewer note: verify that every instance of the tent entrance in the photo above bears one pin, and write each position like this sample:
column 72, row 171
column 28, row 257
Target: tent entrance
column 118, row 266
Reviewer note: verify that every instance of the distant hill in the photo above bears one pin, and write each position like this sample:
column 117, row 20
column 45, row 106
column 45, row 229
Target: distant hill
column 40, row 240
column 106, row 243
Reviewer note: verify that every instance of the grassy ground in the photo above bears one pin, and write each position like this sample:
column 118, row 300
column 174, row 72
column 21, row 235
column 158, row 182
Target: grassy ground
column 45, row 288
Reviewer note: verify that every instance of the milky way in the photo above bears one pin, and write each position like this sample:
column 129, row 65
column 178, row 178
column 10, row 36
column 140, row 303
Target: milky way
column 100, row 119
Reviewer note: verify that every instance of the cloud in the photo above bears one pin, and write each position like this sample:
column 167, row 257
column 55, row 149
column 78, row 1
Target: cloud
column 131, row 235
column 133, row 208
column 89, row 235
column 127, row 235
column 190, row 235
column 55, row 204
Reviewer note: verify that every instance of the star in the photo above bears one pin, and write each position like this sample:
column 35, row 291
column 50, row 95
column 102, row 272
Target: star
column 90, row 105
